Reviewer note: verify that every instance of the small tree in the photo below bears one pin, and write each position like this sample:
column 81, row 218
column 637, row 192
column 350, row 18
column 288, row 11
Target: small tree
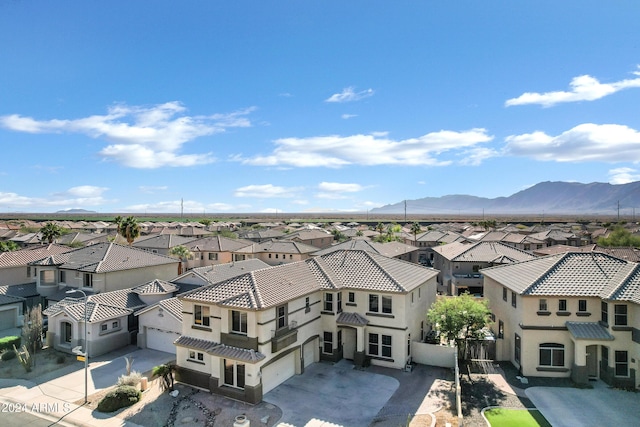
column 415, row 229
column 182, row 253
column 8, row 246
column 460, row 319
column 32, row 330
column 166, row 372
column 130, row 229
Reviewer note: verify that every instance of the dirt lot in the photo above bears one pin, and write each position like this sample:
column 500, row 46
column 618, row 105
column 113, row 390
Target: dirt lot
column 191, row 406
column 46, row 360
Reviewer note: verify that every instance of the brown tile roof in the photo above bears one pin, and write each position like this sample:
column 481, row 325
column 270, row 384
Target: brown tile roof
column 23, row 257
column 337, row 270
column 156, row 286
column 105, row 257
column 491, row 252
column 162, row 241
column 170, row 305
column 96, row 312
column 217, row 244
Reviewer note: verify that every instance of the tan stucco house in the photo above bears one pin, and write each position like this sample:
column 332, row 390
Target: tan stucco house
column 244, row 336
column 568, row 315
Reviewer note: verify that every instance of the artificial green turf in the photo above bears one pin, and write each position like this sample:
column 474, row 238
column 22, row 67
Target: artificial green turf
column 502, row 417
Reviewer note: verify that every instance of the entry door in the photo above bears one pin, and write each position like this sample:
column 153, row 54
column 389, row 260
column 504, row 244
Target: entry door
column 349, row 343
column 592, row 361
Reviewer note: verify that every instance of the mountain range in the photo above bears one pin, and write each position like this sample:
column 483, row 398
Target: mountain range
column 596, row 198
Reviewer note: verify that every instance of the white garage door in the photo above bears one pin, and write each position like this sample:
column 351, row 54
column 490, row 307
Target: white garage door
column 7, row 319
column 158, row 339
column 278, row 372
column 310, row 351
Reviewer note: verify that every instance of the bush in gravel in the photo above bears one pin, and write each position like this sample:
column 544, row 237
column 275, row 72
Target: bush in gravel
column 8, row 355
column 121, row 397
column 132, row 379
column 7, row 343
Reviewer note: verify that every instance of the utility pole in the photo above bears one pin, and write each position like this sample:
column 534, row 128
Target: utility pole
column 181, row 207
column 618, row 210
column 405, row 210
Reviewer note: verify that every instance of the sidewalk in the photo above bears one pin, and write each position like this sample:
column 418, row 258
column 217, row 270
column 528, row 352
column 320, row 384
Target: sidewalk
column 52, row 395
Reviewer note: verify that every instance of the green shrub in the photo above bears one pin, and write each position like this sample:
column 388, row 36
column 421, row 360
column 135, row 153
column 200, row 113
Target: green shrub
column 121, row 397
column 7, row 343
column 8, row 355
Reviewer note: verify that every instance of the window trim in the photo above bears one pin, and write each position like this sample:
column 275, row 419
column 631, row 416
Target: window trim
column 555, row 350
column 201, row 315
column 281, row 317
column 328, row 301
column 621, row 364
column 238, row 377
column 241, row 315
column 327, row 340
column 620, row 319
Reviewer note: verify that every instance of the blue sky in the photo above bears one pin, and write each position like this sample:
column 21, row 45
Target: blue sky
column 310, row 106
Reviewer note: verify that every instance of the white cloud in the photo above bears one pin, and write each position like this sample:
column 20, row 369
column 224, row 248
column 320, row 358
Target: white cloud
column 477, row 155
column 368, row 150
column 583, row 88
column 585, row 142
column 151, row 189
column 336, row 190
column 81, row 196
column 348, row 94
column 187, row 206
column 140, row 137
column 348, row 116
column 623, row 175
column 266, row 191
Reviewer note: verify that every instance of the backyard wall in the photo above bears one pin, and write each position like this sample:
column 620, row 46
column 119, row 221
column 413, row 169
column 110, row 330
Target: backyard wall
column 433, row 355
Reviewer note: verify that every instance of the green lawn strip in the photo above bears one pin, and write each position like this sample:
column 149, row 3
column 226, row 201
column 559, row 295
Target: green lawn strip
column 505, row 417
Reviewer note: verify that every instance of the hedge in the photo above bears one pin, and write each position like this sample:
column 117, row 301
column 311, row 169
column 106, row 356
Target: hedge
column 7, row 343
column 121, row 397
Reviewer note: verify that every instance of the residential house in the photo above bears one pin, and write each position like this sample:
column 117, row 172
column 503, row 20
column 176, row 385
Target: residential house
column 109, row 321
column 215, row 250
column 554, row 236
column 15, row 268
column 246, row 335
column 433, row 238
column 568, row 315
column 390, row 249
column 460, row 263
column 258, row 236
column 317, row 238
column 162, row 243
column 275, row 252
column 160, row 323
column 100, row 268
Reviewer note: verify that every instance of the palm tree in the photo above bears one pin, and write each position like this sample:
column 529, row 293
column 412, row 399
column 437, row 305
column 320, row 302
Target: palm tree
column 50, row 231
column 415, row 229
column 166, row 372
column 130, row 229
column 183, row 253
column 118, row 221
column 8, row 246
column 380, row 227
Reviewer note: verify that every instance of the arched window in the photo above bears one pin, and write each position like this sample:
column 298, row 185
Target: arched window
column 552, row 354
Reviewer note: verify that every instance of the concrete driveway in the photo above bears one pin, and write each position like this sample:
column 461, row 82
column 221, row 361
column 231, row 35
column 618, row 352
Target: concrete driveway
column 335, row 394
column 600, row 406
column 338, row 395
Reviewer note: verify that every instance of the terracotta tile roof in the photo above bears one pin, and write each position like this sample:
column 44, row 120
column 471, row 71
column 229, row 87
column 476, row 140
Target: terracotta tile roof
column 219, row 272
column 220, row 350
column 105, row 257
column 123, row 298
column 170, row 305
column 162, row 241
column 156, row 286
column 572, row 274
column 284, row 246
column 491, row 252
column 342, row 269
column 391, row 249
column 217, row 244
column 589, row 331
column 96, row 312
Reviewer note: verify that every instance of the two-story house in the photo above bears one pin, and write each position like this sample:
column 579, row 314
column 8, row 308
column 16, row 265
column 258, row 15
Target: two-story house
column 215, row 250
column 245, row 335
column 101, row 267
column 568, row 315
column 459, row 264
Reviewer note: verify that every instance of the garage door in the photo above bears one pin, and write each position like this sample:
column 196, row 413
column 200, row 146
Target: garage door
column 310, row 350
column 7, row 319
column 158, row 339
column 278, row 372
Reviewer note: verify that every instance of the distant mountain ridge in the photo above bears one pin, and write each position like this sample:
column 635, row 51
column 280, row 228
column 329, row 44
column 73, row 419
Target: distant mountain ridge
column 545, row 197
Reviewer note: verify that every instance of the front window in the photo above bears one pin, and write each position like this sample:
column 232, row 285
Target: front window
column 504, row 294
column 327, row 346
column 234, row 373
column 339, row 302
column 281, row 316
column 196, row 355
column 516, row 348
column 582, row 305
column 386, row 305
column 352, row 297
column 103, row 327
column 552, row 355
column 604, row 312
column 386, row 346
column 500, row 329
column 562, row 305
column 620, row 315
column 374, row 344
column 213, row 256
column 380, row 345
column 373, row 303
column 115, row 324
column 239, row 322
column 63, row 276
column 604, row 354
column 622, row 364
column 543, row 305
column 88, row 280
column 201, row 315
column 513, row 299
column 328, row 301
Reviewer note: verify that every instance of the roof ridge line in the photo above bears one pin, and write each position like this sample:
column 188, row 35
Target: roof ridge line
column 384, row 270
column 545, row 273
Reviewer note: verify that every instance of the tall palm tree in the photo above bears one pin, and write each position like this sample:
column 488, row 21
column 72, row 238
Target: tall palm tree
column 415, row 229
column 166, row 372
column 130, row 229
column 118, row 221
column 183, row 253
column 50, row 231
column 380, row 228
